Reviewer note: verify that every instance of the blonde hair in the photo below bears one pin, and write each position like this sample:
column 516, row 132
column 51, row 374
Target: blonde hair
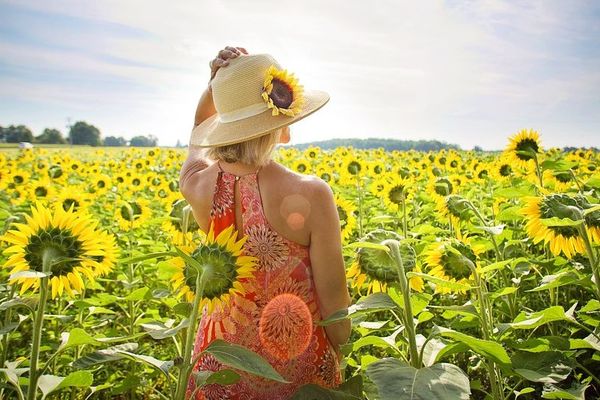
column 255, row 151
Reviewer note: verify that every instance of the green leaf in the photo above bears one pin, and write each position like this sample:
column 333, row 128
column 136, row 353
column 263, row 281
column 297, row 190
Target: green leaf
column 133, row 260
column 51, row 383
column 418, row 301
column 160, row 331
column 553, row 281
column 544, row 367
column 369, row 304
column 243, row 359
column 575, row 392
column 591, row 306
column 139, row 294
column 183, row 309
column 494, row 266
column 161, row 365
column 555, row 221
column 104, row 355
column 494, row 230
column 13, row 372
column 76, row 337
column 223, row 377
column 516, row 191
column 532, row 321
column 439, row 281
column 368, row 245
column 492, row 351
column 28, row 302
column 396, row 380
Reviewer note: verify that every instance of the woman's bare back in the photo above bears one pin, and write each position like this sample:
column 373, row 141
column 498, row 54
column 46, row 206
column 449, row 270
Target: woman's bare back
column 287, row 198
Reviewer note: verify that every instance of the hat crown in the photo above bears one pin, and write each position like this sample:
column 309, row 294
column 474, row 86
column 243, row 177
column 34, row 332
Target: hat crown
column 240, row 84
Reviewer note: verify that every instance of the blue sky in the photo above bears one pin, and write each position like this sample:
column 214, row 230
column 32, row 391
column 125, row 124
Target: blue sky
column 465, row 72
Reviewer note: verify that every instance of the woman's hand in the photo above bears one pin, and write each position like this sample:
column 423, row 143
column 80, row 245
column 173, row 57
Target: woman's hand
column 222, row 59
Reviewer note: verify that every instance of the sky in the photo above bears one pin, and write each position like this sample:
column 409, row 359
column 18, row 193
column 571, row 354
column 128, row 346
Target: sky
column 464, row 72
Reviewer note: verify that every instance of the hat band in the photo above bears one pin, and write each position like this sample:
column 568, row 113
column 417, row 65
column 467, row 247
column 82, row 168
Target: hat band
column 241, row 113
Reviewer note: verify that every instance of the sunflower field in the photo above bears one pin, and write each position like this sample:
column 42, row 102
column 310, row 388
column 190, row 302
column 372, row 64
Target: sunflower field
column 474, row 275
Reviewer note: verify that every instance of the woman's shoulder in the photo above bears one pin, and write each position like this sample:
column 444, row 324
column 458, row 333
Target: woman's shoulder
column 297, row 182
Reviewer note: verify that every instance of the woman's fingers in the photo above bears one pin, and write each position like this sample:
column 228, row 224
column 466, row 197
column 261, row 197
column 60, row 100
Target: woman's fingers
column 243, row 50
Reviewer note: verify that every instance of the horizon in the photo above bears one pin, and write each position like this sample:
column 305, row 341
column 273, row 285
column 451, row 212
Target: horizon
column 470, row 74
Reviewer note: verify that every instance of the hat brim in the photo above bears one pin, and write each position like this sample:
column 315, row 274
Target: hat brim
column 212, row 132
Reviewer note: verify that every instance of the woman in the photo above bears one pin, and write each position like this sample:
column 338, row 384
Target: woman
column 290, row 221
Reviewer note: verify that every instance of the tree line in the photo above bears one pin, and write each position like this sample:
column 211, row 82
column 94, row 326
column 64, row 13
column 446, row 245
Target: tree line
column 386, row 144
column 80, row 133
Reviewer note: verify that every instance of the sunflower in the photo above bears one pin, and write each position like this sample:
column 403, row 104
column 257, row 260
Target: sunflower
column 523, row 147
column 565, row 239
column 451, row 260
column 346, row 211
column 70, row 238
column 378, row 267
column 395, row 191
column 73, row 196
column 132, row 214
column 441, row 186
column 502, row 169
column 41, row 189
column 282, row 93
column 174, row 225
column 225, row 269
column 453, row 207
column 302, row 166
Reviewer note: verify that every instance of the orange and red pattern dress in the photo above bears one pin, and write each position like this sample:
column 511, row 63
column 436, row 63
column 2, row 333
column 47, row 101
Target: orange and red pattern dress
column 283, row 267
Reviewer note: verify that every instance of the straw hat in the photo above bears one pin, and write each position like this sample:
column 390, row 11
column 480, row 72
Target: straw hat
column 253, row 95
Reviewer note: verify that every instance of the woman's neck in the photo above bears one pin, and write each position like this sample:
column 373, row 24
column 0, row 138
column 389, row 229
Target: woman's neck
column 239, row 168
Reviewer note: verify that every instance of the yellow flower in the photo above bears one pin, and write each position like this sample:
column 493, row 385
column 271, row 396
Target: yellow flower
column 346, row 211
column 376, row 267
column 523, row 147
column 70, row 238
column 132, row 214
column 450, row 260
column 225, row 269
column 565, row 239
column 282, row 93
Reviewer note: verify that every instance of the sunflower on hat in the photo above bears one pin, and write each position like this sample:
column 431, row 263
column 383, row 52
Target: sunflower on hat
column 282, row 93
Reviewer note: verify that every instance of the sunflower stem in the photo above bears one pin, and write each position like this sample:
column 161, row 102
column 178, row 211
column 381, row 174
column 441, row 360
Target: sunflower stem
column 360, row 210
column 48, row 256
column 487, row 322
column 404, row 227
column 394, row 246
column 187, row 366
column 538, row 170
column 591, row 257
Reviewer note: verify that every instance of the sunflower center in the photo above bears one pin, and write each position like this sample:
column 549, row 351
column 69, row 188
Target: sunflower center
column 354, row 167
column 18, row 179
column 505, row 170
column 281, row 94
column 396, row 194
column 67, row 249
column 131, row 212
column 529, row 146
column 301, row 167
column 41, row 191
column 563, row 176
column 454, row 163
column 67, row 203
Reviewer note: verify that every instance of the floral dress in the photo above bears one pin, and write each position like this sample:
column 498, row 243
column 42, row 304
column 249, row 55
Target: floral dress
column 283, row 268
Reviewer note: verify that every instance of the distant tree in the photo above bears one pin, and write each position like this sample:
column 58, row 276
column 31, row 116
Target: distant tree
column 84, row 133
column 114, row 141
column 50, row 136
column 477, row 148
column 386, row 144
column 143, row 141
column 16, row 134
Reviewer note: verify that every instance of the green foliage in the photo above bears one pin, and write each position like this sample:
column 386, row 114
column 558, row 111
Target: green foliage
column 386, row 144
column 16, row 134
column 50, row 136
column 84, row 133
